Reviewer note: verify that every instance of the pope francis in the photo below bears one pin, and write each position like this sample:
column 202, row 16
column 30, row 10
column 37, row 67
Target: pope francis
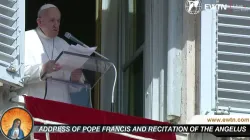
column 42, row 46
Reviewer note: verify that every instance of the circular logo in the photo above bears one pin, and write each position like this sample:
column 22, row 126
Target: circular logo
column 16, row 123
column 193, row 6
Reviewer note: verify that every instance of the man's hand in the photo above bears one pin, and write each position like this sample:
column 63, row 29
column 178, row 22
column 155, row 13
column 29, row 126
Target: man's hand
column 51, row 66
column 76, row 75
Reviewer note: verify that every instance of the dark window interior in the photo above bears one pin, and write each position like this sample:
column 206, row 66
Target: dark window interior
column 140, row 23
column 136, row 99
column 78, row 17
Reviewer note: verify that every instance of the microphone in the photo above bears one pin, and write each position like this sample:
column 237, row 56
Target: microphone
column 74, row 39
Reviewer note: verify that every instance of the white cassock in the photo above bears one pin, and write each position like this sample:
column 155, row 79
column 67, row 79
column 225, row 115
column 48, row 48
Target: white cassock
column 39, row 49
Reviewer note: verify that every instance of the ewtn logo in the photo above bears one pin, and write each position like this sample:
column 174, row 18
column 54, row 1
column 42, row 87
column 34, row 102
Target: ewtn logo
column 195, row 7
column 216, row 6
column 225, row 7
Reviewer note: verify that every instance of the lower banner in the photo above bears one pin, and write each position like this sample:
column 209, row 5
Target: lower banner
column 51, row 112
column 217, row 130
column 54, row 120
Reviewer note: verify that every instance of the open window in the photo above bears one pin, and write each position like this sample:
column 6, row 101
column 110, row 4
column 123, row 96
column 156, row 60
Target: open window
column 80, row 21
column 12, row 29
column 17, row 16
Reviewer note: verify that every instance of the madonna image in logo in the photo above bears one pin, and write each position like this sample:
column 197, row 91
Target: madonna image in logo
column 16, row 123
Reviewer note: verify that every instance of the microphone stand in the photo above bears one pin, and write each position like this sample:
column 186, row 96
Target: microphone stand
column 113, row 89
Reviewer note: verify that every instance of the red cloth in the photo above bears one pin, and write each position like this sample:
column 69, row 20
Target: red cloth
column 71, row 114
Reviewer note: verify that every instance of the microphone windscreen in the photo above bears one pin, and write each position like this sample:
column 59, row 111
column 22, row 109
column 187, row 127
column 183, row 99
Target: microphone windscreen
column 67, row 35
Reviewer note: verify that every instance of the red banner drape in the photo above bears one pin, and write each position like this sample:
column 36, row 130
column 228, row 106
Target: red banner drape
column 71, row 114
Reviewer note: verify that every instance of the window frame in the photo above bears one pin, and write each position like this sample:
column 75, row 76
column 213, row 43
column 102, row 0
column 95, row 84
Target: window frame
column 208, row 59
column 126, row 57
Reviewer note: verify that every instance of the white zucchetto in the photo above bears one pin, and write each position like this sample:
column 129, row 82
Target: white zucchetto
column 44, row 7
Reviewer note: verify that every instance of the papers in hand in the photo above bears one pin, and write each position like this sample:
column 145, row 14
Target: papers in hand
column 81, row 50
column 71, row 62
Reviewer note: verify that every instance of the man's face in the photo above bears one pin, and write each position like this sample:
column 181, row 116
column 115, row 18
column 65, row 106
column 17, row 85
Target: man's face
column 49, row 22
